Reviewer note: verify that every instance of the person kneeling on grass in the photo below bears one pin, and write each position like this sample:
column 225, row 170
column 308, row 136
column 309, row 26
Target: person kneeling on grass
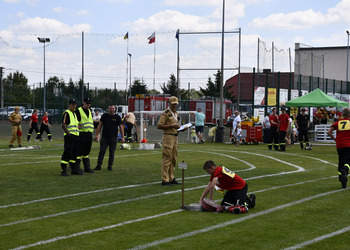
column 236, row 188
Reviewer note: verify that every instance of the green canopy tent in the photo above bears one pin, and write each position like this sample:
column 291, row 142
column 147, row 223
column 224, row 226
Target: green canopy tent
column 316, row 98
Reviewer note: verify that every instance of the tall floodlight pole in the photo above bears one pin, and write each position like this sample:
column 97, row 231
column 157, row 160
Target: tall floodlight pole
column 44, row 40
column 221, row 128
column 129, row 76
column 347, row 63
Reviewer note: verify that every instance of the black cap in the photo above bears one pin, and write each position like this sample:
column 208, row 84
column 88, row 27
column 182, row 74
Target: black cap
column 283, row 108
column 302, row 109
column 72, row 101
column 87, row 100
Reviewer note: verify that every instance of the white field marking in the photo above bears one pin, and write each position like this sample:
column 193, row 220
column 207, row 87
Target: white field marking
column 181, row 236
column 323, row 237
column 100, row 205
column 138, row 185
column 231, row 222
column 97, row 229
column 146, row 197
column 41, row 162
column 300, row 169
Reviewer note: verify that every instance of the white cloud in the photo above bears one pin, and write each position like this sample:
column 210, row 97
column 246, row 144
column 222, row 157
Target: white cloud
column 193, row 2
column 21, row 14
column 58, row 9
column 305, row 19
column 14, row 34
column 11, row 1
column 173, row 20
column 82, row 12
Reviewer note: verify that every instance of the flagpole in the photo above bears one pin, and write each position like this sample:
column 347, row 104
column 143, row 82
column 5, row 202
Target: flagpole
column 127, row 64
column 154, row 64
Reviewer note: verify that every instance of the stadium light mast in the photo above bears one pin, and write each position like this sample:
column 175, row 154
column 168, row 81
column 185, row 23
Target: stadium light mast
column 220, row 134
column 129, row 76
column 44, row 40
column 347, row 63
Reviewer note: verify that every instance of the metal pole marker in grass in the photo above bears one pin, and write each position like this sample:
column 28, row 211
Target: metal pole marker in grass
column 183, row 165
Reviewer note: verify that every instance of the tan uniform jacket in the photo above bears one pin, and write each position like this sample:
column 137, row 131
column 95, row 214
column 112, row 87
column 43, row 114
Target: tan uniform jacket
column 15, row 117
column 168, row 118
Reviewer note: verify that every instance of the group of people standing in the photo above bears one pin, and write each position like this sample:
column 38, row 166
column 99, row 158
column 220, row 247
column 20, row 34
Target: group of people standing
column 16, row 120
column 278, row 129
column 78, row 127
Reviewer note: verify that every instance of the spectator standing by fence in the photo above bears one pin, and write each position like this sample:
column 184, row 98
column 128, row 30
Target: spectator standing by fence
column 200, row 118
column 266, row 127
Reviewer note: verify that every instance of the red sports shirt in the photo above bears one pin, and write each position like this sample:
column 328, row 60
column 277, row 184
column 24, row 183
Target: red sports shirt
column 228, row 180
column 34, row 118
column 275, row 119
column 343, row 133
column 45, row 120
column 284, row 118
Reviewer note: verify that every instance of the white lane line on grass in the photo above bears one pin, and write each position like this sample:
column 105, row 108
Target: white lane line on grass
column 323, row 237
column 97, row 229
column 145, row 197
column 152, row 183
column 99, row 206
column 181, row 236
column 42, row 162
column 231, row 222
column 115, row 188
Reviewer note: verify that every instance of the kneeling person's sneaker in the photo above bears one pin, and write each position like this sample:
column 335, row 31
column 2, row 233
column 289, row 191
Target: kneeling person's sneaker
column 252, row 198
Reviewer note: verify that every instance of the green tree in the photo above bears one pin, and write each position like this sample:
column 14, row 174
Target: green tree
column 213, row 88
column 16, row 89
column 138, row 87
column 171, row 87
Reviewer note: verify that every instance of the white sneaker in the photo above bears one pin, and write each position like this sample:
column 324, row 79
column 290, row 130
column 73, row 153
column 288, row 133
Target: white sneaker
column 51, row 140
column 36, row 140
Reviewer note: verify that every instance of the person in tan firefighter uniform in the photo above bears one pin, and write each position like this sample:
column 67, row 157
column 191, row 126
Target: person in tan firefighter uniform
column 169, row 123
column 16, row 119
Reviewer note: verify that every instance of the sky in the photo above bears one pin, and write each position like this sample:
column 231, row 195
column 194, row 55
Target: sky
column 283, row 22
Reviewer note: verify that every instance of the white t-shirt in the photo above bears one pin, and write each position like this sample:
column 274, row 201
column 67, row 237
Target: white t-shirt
column 266, row 122
column 236, row 121
column 238, row 133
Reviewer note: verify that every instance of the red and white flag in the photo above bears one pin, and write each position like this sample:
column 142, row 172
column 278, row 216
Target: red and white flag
column 152, row 38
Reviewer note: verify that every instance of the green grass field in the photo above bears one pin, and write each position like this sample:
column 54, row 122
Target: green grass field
column 299, row 200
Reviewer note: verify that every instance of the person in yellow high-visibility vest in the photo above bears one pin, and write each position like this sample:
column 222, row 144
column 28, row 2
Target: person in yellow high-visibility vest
column 71, row 136
column 86, row 127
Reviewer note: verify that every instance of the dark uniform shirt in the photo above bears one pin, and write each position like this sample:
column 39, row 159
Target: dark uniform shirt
column 302, row 121
column 110, row 124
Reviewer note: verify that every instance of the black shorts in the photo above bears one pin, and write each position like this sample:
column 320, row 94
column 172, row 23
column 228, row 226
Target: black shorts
column 199, row 129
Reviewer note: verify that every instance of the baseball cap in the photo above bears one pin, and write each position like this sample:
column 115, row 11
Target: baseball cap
column 87, row 100
column 173, row 100
column 283, row 108
column 72, row 101
column 303, row 109
column 16, row 107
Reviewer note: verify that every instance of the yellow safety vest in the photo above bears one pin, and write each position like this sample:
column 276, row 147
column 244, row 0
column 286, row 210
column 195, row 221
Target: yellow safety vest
column 73, row 125
column 87, row 124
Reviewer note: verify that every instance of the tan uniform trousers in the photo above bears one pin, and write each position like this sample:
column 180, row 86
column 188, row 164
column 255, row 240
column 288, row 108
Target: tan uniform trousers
column 169, row 157
column 15, row 136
